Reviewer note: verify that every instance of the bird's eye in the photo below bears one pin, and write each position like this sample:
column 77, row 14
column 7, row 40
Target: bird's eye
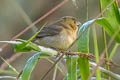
column 78, row 23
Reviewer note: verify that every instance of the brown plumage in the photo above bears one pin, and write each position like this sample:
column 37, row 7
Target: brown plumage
column 60, row 34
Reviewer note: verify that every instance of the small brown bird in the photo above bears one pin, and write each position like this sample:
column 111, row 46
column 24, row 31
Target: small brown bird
column 59, row 35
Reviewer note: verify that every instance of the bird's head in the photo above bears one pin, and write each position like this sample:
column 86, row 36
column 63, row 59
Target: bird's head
column 70, row 22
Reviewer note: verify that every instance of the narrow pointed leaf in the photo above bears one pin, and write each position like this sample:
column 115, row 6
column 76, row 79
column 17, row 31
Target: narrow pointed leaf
column 109, row 28
column 111, row 22
column 83, row 46
column 23, row 45
column 71, row 68
column 31, row 63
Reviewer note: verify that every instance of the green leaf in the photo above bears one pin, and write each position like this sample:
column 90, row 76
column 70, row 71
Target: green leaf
column 111, row 22
column 113, row 50
column 55, row 73
column 7, row 72
column 36, row 33
column 112, row 14
column 23, row 45
column 71, row 68
column 83, row 46
column 31, row 63
column 29, row 67
column 84, row 68
column 8, row 77
column 34, row 46
column 26, row 46
column 96, row 51
column 109, row 28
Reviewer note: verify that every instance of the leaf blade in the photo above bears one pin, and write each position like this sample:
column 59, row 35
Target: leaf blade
column 71, row 68
column 83, row 46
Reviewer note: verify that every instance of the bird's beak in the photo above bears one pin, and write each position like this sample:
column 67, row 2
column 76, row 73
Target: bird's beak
column 78, row 23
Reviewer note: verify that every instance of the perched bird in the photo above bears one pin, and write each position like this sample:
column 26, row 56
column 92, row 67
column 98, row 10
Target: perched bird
column 60, row 34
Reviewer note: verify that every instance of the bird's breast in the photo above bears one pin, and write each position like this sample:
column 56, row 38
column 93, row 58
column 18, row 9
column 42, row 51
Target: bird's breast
column 61, row 41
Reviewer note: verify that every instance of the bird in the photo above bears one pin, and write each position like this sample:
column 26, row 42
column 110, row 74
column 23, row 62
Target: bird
column 59, row 34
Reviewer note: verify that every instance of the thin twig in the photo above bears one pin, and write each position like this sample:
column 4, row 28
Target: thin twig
column 84, row 55
column 52, row 66
column 86, row 9
column 4, row 65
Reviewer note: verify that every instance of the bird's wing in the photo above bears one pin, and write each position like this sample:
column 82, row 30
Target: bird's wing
column 50, row 30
